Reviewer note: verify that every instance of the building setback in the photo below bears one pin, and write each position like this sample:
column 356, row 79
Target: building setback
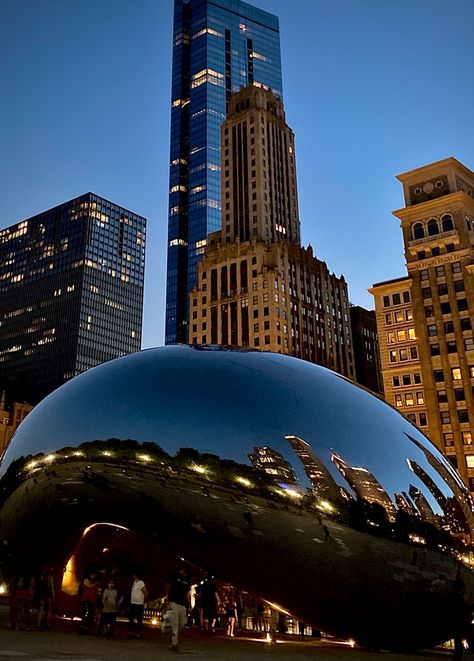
column 256, row 286
column 71, row 293
column 219, row 46
column 438, row 233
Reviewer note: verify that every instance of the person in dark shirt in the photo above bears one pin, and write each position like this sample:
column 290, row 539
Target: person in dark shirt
column 209, row 601
column 178, row 596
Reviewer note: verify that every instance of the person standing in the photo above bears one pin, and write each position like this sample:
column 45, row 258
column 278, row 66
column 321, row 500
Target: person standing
column 88, row 592
column 44, row 595
column 108, row 617
column 179, row 603
column 138, row 597
column 209, row 602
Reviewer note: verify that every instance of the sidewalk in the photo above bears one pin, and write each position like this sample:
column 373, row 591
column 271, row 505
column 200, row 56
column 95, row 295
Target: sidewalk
column 67, row 644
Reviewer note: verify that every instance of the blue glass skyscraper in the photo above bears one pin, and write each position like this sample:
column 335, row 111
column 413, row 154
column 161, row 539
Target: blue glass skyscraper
column 219, row 46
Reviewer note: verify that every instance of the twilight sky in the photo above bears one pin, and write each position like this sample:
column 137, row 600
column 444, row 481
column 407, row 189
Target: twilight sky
column 372, row 88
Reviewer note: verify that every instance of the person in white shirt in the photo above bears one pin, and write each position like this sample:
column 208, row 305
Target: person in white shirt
column 138, row 597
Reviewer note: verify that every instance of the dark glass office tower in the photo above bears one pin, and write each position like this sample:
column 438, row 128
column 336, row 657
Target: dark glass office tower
column 71, row 293
column 219, row 46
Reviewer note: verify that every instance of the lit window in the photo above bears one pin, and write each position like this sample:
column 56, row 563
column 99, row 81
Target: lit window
column 470, row 460
column 456, row 373
column 466, row 437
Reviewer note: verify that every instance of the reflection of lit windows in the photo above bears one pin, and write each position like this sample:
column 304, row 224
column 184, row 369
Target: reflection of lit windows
column 177, row 188
column 178, row 242
column 207, row 31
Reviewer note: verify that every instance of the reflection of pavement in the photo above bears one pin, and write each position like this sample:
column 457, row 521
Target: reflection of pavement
column 51, row 645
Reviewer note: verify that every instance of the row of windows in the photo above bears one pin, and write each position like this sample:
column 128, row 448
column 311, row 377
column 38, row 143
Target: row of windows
column 432, row 227
column 436, row 251
column 398, row 317
column 451, row 346
column 409, row 399
column 401, row 355
column 406, row 379
column 418, row 419
column 466, row 438
column 401, row 335
column 396, row 299
column 445, row 417
column 455, row 374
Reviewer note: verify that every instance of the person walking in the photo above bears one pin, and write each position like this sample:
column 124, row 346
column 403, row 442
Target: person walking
column 179, row 603
column 138, row 596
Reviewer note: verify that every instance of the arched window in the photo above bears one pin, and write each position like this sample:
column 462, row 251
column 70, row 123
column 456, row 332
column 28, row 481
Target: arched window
column 418, row 231
column 447, row 223
column 433, row 227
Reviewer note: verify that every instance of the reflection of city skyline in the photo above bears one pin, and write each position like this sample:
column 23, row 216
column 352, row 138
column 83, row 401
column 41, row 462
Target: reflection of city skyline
column 323, row 485
column 273, row 464
column 365, row 485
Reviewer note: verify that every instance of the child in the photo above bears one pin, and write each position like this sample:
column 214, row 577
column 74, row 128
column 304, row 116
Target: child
column 108, row 617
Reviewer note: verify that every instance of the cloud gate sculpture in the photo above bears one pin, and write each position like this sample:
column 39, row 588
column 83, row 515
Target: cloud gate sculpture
column 275, row 474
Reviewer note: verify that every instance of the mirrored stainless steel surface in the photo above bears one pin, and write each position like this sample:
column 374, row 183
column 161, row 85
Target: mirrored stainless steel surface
column 273, row 473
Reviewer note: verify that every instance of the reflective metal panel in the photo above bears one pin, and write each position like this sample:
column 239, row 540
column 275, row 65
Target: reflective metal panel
column 275, row 474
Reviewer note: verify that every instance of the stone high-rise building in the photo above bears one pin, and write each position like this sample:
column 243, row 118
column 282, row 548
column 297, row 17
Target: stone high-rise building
column 425, row 319
column 256, row 286
column 366, row 348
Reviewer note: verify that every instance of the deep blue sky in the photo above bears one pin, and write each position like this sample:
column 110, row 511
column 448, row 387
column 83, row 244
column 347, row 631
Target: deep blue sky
column 372, row 88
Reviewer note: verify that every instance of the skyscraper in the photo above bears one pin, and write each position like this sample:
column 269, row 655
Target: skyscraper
column 71, row 293
column 219, row 46
column 256, row 286
column 425, row 318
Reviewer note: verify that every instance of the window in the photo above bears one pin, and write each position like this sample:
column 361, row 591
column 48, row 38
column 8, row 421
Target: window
column 435, row 252
column 406, row 379
column 401, row 335
column 432, row 331
column 403, row 353
column 447, row 223
column 471, row 371
column 438, row 375
column 466, row 437
column 418, row 231
column 429, row 311
column 420, row 399
column 440, row 271
column 392, row 356
column 395, row 381
column 388, row 318
column 448, row 438
column 432, row 227
column 470, row 460
column 463, row 415
column 255, row 328
column 413, row 353
column 456, row 267
column 448, row 327
column 466, row 324
column 267, row 339
column 424, row 274
column 426, row 292
column 442, row 396
column 386, row 301
column 462, row 304
column 445, row 417
column 417, row 377
column 459, row 395
column 399, row 317
column 421, row 254
column 409, row 401
column 423, row 420
column 469, row 344
column 412, row 418
column 451, row 346
column 443, row 289
column 398, row 401
column 459, row 285
column 409, row 315
column 445, row 308
column 456, row 373
column 406, row 296
column 434, row 349
column 396, row 299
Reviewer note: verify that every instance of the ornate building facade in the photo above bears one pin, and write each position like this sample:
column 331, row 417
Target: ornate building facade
column 256, row 286
column 425, row 319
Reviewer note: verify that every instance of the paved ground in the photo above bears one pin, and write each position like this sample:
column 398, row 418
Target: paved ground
column 64, row 643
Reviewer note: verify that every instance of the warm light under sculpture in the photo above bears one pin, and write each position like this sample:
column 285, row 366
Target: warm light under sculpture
column 275, row 474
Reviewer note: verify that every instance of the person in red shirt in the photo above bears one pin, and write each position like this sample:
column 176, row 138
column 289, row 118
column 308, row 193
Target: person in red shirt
column 88, row 591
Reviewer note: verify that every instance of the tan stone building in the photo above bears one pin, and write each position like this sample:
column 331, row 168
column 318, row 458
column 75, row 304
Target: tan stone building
column 10, row 418
column 256, row 286
column 438, row 232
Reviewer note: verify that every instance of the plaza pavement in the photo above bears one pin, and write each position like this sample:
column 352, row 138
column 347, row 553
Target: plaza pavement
column 63, row 642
